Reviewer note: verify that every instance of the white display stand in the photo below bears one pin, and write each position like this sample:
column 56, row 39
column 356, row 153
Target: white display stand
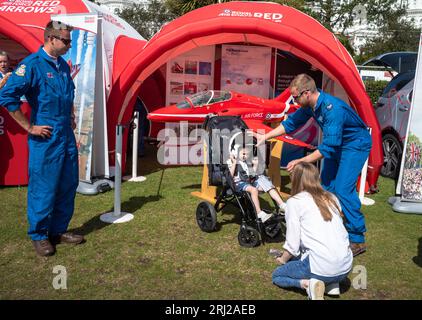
column 405, row 206
column 364, row 200
column 117, row 216
column 403, row 203
column 134, row 177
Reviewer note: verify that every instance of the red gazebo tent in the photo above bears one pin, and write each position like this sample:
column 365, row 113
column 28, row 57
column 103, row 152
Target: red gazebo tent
column 258, row 23
column 21, row 33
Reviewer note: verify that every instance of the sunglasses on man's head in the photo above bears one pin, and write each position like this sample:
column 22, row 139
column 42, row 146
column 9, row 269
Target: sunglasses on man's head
column 66, row 42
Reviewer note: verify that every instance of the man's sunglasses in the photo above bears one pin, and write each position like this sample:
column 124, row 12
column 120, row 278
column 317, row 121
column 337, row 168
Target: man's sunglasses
column 299, row 95
column 66, row 42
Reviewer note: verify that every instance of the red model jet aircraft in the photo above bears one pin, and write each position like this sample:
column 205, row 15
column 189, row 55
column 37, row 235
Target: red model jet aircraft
column 254, row 111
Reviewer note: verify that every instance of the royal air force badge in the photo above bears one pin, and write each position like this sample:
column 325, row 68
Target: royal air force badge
column 21, row 70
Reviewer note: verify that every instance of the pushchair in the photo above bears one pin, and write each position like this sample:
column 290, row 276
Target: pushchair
column 221, row 131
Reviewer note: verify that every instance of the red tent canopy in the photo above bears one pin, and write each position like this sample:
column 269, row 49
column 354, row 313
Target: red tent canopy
column 22, row 26
column 32, row 16
column 260, row 23
column 124, row 51
column 19, row 34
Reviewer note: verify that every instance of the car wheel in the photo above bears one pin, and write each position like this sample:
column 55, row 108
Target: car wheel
column 392, row 156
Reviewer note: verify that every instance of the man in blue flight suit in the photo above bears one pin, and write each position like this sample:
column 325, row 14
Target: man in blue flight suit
column 345, row 146
column 44, row 78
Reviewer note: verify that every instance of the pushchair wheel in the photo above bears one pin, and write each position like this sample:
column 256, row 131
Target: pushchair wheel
column 248, row 237
column 206, row 216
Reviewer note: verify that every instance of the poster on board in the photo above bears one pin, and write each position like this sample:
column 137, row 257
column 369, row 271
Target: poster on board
column 288, row 66
column 246, row 69
column 190, row 73
column 187, row 74
column 82, row 61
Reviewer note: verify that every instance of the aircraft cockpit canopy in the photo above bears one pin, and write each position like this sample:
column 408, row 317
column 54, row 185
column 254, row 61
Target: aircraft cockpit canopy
column 204, row 98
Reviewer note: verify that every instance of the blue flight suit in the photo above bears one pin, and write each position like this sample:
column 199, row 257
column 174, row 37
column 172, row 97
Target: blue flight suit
column 53, row 162
column 346, row 144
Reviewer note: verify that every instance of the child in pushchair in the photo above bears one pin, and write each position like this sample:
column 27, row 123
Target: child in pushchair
column 244, row 169
column 229, row 148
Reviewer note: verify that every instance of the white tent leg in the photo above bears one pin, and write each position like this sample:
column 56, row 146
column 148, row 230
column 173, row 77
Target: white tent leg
column 134, row 177
column 364, row 200
column 117, row 216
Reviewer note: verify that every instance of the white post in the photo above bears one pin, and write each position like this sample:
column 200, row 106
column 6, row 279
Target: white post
column 363, row 200
column 117, row 216
column 134, row 178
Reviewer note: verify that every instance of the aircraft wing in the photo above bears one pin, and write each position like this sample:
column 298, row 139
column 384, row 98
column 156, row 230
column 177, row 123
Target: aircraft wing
column 256, row 125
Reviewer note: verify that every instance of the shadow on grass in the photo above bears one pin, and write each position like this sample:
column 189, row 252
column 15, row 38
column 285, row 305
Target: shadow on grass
column 136, row 203
column 418, row 258
column 193, row 186
column 95, row 224
column 279, row 238
column 235, row 212
column 302, row 292
column 233, row 215
column 91, row 225
column 147, row 164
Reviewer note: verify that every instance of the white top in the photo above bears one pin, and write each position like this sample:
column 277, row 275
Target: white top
column 244, row 166
column 326, row 242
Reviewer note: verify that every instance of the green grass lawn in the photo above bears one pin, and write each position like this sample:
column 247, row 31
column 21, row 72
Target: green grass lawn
column 162, row 254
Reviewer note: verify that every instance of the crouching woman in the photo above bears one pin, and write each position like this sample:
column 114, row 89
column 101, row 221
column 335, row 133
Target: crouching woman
column 317, row 255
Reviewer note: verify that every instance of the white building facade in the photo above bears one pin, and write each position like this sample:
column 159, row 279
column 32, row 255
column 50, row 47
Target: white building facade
column 113, row 5
column 414, row 12
column 362, row 29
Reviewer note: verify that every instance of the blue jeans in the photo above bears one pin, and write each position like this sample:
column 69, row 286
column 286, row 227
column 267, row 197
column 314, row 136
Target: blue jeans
column 290, row 274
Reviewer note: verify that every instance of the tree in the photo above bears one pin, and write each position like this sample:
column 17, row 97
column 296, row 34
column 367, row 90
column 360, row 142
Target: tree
column 385, row 16
column 396, row 34
column 146, row 20
column 336, row 18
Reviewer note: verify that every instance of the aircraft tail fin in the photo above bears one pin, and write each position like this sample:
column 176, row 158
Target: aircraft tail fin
column 285, row 97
